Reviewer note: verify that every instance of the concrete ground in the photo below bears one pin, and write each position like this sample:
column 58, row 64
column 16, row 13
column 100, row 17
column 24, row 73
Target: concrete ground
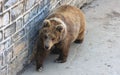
column 99, row 54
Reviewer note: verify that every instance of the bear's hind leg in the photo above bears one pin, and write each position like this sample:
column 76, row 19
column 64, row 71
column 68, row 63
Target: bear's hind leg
column 63, row 53
column 80, row 37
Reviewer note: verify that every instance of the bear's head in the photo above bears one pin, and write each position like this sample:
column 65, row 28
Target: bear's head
column 51, row 33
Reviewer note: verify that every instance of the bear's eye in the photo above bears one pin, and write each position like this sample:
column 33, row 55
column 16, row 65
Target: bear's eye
column 53, row 39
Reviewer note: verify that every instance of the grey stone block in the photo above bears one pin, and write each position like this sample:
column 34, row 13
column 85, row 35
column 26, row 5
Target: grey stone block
column 6, row 18
column 8, row 55
column 22, row 60
column 1, row 6
column 26, row 18
column 19, row 46
column 41, row 5
column 29, row 4
column 33, row 12
column 12, row 67
column 2, row 47
column 37, row 1
column 19, row 24
column 10, row 30
column 7, row 43
column 16, row 11
column 3, row 71
column 41, row 16
column 1, row 21
column 18, row 35
column 1, row 60
column 9, row 3
column 1, row 36
column 29, row 26
column 32, row 35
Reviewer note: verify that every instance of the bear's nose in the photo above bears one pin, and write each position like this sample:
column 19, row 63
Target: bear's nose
column 46, row 47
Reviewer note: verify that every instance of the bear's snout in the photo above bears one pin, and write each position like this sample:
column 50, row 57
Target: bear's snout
column 47, row 47
column 48, row 44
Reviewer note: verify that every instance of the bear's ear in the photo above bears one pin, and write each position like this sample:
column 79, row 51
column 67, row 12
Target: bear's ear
column 59, row 28
column 46, row 23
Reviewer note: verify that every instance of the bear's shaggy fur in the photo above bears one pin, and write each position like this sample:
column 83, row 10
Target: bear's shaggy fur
column 62, row 27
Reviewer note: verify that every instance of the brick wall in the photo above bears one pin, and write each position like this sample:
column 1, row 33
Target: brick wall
column 18, row 29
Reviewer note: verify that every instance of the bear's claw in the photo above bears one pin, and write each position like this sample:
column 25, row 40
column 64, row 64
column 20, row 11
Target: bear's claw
column 78, row 41
column 40, row 69
column 60, row 60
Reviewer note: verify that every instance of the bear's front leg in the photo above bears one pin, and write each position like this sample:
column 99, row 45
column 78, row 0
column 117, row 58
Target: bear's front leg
column 39, row 61
column 63, row 53
column 40, row 57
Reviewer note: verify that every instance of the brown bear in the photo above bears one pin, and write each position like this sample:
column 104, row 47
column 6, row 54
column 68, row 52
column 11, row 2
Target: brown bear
column 63, row 26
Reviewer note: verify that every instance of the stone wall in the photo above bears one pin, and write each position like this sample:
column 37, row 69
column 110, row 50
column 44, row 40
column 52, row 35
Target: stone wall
column 18, row 29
